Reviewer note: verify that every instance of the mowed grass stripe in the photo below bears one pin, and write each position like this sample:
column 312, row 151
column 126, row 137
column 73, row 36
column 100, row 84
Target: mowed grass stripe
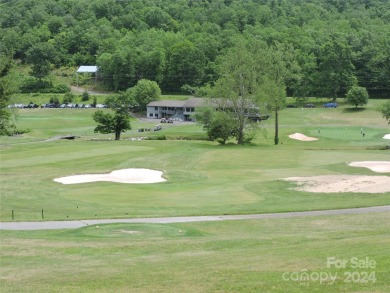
column 231, row 256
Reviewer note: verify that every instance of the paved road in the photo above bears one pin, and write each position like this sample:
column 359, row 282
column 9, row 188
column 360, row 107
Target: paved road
column 46, row 225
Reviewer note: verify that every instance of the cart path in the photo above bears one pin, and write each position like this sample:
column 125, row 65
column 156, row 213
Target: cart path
column 50, row 225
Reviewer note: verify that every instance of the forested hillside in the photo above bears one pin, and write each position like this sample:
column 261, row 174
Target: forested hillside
column 337, row 43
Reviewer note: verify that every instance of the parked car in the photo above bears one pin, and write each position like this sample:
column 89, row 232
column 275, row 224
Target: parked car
column 166, row 120
column 50, row 105
column 330, row 105
column 309, row 106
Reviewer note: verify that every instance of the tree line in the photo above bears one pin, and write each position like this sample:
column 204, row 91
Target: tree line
column 336, row 44
column 249, row 53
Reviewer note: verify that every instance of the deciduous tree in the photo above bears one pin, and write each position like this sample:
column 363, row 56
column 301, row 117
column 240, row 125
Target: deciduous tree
column 40, row 57
column 385, row 110
column 238, row 88
column 357, row 96
column 144, row 92
column 222, row 127
column 116, row 121
column 7, row 87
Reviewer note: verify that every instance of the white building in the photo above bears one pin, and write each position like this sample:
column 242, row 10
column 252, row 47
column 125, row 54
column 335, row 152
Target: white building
column 176, row 110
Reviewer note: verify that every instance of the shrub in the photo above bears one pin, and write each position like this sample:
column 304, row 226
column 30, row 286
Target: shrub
column 60, row 89
column 85, row 96
column 68, row 98
column 43, row 86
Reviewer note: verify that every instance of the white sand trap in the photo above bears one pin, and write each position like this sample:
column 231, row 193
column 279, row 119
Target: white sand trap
column 387, row 136
column 300, row 136
column 376, row 166
column 119, row 176
column 342, row 183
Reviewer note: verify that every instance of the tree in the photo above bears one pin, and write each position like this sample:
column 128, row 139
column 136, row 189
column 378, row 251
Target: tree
column 186, row 65
column 144, row 92
column 111, row 122
column 238, row 88
column 357, row 96
column 385, row 110
column 158, row 18
column 116, row 121
column 204, row 116
column 151, row 65
column 219, row 125
column 7, row 87
column 222, row 127
column 281, row 68
column 118, row 69
column 40, row 57
column 85, row 96
column 335, row 73
column 274, row 96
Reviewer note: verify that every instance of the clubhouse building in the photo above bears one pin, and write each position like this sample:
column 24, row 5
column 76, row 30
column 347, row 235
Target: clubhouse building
column 176, row 110
column 184, row 110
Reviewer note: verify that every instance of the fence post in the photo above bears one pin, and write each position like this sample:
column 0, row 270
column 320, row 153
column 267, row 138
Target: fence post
column 12, row 214
column 42, row 213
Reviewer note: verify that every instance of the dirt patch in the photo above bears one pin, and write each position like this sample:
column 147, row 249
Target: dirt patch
column 128, row 231
column 342, row 183
column 302, row 137
column 80, row 90
column 132, row 175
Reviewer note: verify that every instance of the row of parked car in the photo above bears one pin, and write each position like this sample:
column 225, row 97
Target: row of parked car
column 51, row 105
column 326, row 105
column 81, row 106
column 23, row 106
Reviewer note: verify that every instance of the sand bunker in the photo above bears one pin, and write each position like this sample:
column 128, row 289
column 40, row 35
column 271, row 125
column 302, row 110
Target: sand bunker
column 300, row 136
column 376, row 166
column 342, row 183
column 348, row 183
column 119, row 176
column 387, row 136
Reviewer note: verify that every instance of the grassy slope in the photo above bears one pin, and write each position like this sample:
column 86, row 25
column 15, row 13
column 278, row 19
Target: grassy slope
column 229, row 256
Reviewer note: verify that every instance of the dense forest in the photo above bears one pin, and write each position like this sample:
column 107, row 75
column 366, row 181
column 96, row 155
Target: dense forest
column 177, row 43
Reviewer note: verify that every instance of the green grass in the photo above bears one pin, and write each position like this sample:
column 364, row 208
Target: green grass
column 204, row 178
column 229, row 256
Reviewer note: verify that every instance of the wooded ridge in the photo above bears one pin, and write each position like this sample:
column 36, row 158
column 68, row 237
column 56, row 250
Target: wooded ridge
column 337, row 43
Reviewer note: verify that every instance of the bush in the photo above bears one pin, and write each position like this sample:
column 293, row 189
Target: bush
column 43, row 86
column 35, row 86
column 161, row 137
column 68, row 98
column 157, row 137
column 85, row 96
column 60, row 89
column 55, row 101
